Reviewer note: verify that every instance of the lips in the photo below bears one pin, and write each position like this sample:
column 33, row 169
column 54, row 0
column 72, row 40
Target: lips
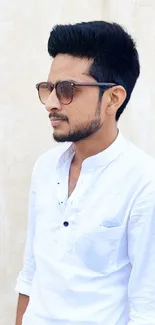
column 56, row 119
column 56, row 122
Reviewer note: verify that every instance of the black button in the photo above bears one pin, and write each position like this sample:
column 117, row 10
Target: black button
column 66, row 223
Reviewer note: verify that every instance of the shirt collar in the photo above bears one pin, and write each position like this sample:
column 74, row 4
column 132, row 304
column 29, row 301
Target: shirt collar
column 101, row 159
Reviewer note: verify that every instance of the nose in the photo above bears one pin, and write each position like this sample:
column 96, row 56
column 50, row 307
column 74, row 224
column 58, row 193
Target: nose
column 53, row 102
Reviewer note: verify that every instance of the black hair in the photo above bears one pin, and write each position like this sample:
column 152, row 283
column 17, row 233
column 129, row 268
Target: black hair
column 114, row 52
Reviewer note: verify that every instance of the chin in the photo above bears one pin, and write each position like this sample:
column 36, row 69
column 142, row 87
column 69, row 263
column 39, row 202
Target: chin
column 59, row 137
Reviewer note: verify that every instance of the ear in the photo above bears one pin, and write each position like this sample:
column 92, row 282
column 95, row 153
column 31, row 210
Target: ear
column 116, row 97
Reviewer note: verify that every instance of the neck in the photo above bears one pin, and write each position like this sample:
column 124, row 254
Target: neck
column 94, row 144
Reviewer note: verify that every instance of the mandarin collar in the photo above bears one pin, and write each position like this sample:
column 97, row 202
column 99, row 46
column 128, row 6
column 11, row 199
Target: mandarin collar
column 103, row 158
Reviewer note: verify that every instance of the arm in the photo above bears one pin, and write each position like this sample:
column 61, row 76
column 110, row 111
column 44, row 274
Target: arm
column 141, row 250
column 21, row 308
column 25, row 277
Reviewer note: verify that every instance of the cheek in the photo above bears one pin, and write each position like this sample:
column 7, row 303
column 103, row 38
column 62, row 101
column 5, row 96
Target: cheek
column 81, row 116
column 93, row 96
column 82, row 108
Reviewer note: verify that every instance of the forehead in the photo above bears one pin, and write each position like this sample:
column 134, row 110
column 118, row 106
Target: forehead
column 66, row 66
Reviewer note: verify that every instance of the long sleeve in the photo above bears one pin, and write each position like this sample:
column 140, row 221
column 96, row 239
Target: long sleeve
column 25, row 277
column 141, row 250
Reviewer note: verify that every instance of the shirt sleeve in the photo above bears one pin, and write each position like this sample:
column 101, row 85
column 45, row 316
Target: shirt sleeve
column 141, row 250
column 24, row 280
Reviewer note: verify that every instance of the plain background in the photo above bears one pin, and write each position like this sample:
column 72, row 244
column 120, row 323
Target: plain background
column 25, row 131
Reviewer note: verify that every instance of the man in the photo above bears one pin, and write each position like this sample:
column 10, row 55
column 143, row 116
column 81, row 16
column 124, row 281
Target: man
column 90, row 250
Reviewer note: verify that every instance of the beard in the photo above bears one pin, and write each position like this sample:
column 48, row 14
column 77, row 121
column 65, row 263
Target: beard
column 81, row 132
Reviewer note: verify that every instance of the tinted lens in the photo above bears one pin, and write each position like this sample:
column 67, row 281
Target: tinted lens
column 44, row 90
column 64, row 91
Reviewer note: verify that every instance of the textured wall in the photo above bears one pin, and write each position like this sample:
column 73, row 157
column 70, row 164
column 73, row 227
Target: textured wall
column 24, row 128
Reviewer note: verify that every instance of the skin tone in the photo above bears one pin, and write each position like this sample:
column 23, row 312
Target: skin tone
column 21, row 308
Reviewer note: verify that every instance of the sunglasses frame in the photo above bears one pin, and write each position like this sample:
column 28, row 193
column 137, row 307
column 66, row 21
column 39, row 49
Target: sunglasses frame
column 73, row 84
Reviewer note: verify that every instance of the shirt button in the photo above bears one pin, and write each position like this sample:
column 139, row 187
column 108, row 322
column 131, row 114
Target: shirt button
column 66, row 223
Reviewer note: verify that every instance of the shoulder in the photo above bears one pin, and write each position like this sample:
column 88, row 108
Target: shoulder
column 141, row 169
column 49, row 159
column 144, row 162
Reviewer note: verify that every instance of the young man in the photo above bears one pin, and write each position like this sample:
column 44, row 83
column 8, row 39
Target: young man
column 90, row 250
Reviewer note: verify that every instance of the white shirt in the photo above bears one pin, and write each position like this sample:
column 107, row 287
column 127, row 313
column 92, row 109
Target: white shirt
column 99, row 266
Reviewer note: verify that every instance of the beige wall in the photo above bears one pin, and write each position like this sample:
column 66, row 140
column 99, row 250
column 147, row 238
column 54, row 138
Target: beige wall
column 24, row 127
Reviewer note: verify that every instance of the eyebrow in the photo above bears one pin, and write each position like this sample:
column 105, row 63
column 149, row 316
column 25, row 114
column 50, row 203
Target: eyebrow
column 65, row 79
column 86, row 74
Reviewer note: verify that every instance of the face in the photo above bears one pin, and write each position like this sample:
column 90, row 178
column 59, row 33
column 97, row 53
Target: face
column 84, row 116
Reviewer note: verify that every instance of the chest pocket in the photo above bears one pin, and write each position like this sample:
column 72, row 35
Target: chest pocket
column 99, row 250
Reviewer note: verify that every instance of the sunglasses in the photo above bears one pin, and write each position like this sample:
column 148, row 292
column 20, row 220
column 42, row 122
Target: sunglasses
column 65, row 89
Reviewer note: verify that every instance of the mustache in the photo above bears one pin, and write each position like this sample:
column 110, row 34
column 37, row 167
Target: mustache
column 58, row 116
